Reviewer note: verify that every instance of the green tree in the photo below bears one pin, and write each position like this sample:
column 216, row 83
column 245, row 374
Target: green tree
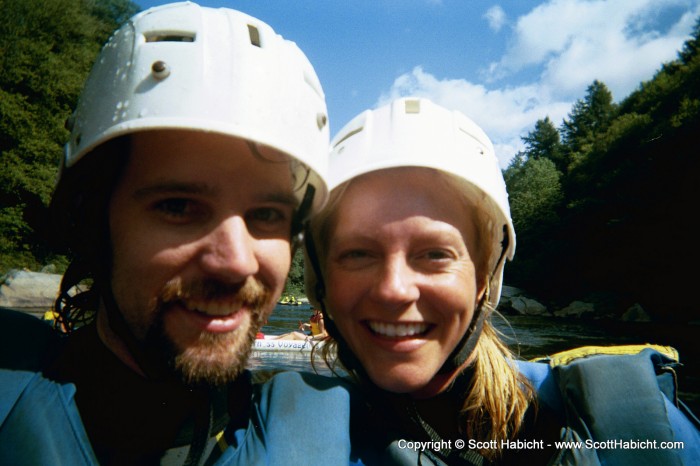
column 589, row 117
column 691, row 47
column 535, row 194
column 295, row 280
column 544, row 141
column 629, row 193
column 46, row 50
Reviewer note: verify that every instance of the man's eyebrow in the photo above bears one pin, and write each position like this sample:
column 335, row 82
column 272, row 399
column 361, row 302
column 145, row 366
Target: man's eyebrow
column 180, row 188
column 172, row 187
column 281, row 197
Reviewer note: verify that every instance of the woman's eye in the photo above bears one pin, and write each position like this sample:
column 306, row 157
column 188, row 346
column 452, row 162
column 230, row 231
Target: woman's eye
column 437, row 255
column 354, row 258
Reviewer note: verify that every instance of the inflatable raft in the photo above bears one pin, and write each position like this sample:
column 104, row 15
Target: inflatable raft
column 271, row 343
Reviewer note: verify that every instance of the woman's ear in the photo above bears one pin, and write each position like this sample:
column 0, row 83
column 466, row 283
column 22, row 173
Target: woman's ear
column 482, row 287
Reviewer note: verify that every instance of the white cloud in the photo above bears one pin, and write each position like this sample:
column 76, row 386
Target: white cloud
column 496, row 17
column 570, row 43
column 576, row 41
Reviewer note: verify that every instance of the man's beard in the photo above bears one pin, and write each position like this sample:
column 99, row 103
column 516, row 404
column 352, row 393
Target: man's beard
column 214, row 359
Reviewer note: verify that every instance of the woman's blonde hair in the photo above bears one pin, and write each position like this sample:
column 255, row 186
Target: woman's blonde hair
column 498, row 395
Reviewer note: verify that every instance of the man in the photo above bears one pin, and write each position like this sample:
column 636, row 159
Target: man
column 196, row 153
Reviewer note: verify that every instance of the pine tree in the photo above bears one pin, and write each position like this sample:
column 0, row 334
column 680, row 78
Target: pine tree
column 589, row 117
column 545, row 142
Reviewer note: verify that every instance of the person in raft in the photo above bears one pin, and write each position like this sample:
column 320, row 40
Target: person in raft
column 197, row 151
column 315, row 327
column 406, row 262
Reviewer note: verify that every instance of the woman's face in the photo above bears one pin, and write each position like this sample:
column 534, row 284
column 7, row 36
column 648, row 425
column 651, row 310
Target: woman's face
column 401, row 274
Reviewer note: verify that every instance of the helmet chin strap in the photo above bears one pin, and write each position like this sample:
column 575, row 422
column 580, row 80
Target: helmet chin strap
column 301, row 216
column 346, row 355
column 466, row 346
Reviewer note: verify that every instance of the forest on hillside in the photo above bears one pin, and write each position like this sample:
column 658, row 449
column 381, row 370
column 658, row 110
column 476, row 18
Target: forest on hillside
column 603, row 204
column 46, row 50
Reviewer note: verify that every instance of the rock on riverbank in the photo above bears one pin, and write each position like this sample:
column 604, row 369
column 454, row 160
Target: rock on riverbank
column 21, row 289
column 514, row 301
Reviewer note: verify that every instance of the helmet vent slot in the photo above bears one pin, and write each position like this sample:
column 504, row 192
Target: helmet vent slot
column 412, row 106
column 170, row 37
column 479, row 146
column 349, row 135
column 313, row 84
column 254, row 34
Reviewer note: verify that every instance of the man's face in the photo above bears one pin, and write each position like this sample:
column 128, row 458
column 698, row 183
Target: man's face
column 200, row 232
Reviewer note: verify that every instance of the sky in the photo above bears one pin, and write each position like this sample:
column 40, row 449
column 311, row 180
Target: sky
column 505, row 65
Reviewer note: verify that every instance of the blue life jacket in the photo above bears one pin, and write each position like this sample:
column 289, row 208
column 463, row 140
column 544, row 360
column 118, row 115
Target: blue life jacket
column 611, row 409
column 40, row 422
column 622, row 400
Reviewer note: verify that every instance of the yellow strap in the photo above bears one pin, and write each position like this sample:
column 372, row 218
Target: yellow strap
column 565, row 357
column 221, row 441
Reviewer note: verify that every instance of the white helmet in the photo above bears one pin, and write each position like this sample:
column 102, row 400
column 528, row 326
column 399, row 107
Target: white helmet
column 417, row 132
column 182, row 66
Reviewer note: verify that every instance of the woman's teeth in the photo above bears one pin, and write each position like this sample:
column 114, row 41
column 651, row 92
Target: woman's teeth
column 398, row 330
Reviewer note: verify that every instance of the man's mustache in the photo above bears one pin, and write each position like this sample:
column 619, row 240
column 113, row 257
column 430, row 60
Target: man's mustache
column 250, row 293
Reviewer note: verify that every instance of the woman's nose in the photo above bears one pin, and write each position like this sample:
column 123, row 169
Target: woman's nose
column 397, row 282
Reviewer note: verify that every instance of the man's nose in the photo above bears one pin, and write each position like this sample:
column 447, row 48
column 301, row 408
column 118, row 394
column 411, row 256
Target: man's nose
column 229, row 251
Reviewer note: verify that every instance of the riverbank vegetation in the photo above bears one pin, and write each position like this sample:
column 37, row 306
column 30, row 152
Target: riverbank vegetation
column 46, row 50
column 603, row 204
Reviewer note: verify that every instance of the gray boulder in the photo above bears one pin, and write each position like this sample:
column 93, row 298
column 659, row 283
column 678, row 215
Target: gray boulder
column 24, row 289
column 576, row 309
column 636, row 313
column 527, row 306
column 510, row 291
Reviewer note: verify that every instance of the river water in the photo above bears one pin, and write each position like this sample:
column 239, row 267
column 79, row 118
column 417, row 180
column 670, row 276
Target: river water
column 529, row 337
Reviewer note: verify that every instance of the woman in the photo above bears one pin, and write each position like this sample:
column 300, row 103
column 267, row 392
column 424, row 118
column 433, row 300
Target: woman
column 406, row 262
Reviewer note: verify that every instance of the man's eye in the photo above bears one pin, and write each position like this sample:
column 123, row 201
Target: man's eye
column 269, row 221
column 266, row 215
column 173, row 206
column 354, row 254
column 178, row 209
